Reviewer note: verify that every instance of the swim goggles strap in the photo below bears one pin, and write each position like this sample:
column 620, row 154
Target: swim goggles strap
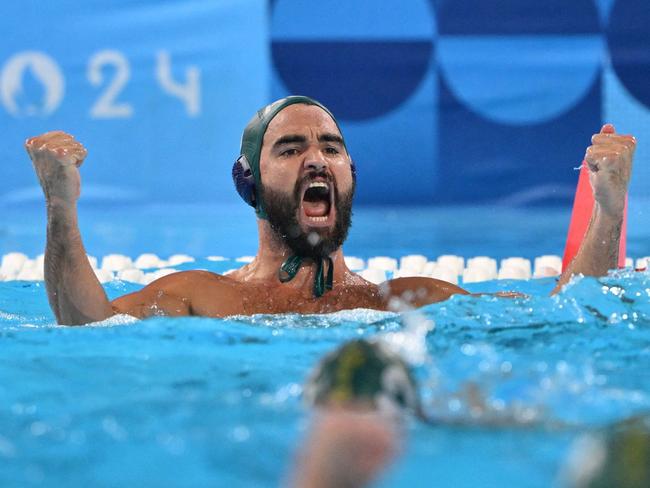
column 291, row 266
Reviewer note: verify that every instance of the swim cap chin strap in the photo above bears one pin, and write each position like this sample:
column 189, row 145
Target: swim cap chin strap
column 291, row 266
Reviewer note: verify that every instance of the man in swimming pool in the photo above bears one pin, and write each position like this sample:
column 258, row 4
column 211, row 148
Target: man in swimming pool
column 296, row 172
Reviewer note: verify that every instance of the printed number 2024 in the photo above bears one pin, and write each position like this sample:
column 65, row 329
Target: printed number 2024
column 107, row 106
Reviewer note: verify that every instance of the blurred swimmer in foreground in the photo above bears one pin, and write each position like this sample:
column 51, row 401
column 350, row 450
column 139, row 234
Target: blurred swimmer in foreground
column 295, row 170
column 361, row 392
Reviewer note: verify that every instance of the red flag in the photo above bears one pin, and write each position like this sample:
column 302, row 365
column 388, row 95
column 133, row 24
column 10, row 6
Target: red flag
column 583, row 205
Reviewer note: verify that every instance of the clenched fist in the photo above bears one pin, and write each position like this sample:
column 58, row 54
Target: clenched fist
column 56, row 157
column 609, row 159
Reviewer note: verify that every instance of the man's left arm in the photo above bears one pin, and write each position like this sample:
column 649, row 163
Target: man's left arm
column 609, row 160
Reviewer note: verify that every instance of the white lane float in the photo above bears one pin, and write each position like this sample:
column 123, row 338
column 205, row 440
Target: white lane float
column 149, row 261
column 383, row 263
column 476, row 274
column 520, row 263
column 12, row 263
column 445, row 274
column 414, row 263
column 177, row 259
column 513, row 273
column 132, row 275
column 452, row 262
column 482, row 266
column 148, row 267
column 373, row 275
column 116, row 262
column 354, row 263
column 104, row 276
column 32, row 270
column 547, row 265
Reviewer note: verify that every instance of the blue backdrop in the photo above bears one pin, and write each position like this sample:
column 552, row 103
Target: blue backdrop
column 441, row 101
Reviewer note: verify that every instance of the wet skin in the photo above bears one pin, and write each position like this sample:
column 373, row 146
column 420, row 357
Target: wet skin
column 300, row 141
column 302, row 145
column 207, row 294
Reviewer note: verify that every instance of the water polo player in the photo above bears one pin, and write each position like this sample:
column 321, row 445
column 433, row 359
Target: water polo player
column 295, row 170
column 360, row 391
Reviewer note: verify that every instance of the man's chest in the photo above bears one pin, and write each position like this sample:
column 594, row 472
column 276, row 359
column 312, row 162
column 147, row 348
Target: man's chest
column 254, row 299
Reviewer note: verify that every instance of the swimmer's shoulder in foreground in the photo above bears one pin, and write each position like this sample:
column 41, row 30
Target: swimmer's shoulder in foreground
column 296, row 172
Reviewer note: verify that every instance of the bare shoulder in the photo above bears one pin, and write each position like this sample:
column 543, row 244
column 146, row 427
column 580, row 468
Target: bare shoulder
column 183, row 278
column 179, row 294
column 419, row 291
column 185, row 283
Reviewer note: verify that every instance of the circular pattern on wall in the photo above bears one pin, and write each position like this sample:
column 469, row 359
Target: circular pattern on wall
column 355, row 57
column 487, row 64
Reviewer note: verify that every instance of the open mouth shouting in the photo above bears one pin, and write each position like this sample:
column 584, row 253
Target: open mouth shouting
column 317, row 207
column 314, row 219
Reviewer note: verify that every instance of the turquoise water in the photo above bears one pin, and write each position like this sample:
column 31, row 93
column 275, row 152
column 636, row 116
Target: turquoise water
column 208, row 402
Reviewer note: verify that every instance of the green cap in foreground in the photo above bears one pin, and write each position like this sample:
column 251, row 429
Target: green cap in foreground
column 363, row 373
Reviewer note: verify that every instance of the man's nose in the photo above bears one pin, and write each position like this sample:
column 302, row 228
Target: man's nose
column 315, row 162
column 315, row 166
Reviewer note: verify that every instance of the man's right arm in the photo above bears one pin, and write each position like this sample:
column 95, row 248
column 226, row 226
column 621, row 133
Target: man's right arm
column 74, row 292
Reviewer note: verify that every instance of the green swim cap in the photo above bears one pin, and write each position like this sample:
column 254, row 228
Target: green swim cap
column 367, row 372
column 251, row 146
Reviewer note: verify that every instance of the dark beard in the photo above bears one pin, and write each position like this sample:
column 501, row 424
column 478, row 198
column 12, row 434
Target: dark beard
column 282, row 212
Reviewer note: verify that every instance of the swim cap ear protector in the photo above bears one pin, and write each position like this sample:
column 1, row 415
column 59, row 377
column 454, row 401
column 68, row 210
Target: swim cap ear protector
column 246, row 170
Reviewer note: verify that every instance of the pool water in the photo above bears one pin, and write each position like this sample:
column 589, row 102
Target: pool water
column 511, row 383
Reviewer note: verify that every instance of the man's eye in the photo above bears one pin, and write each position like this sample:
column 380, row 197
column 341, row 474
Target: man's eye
column 331, row 150
column 289, row 152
